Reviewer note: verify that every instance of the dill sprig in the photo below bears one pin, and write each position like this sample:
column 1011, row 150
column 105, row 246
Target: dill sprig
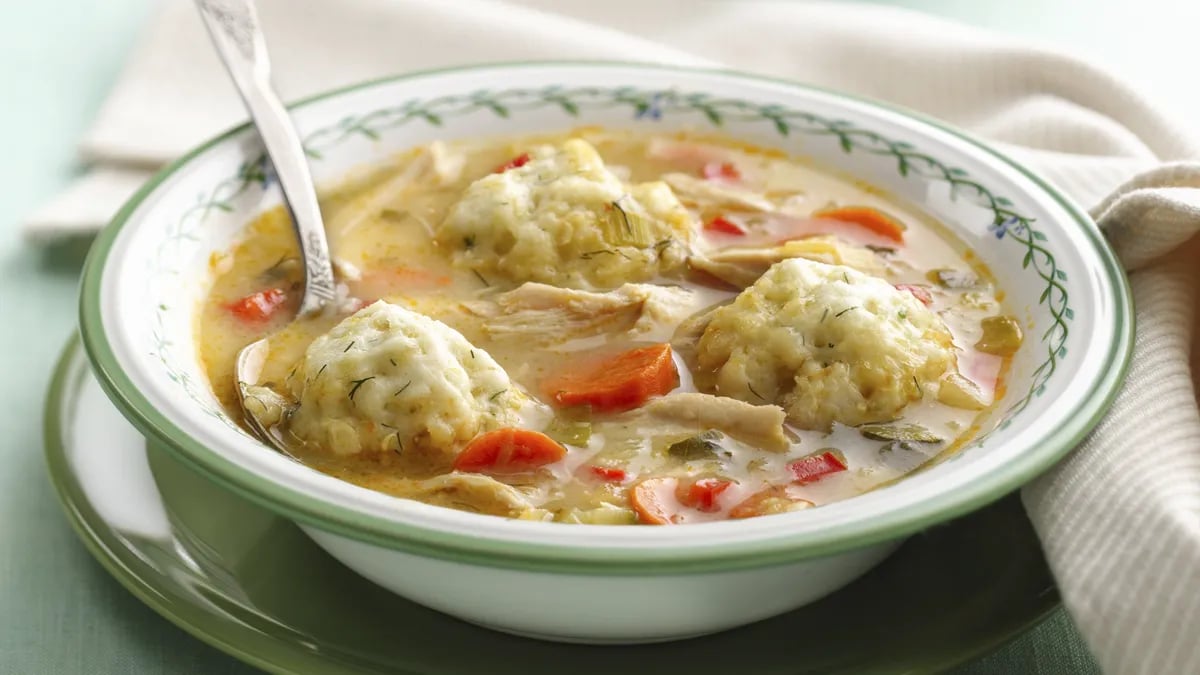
column 348, row 347
column 751, row 388
column 496, row 395
column 845, row 310
column 357, row 384
column 480, row 278
column 401, row 389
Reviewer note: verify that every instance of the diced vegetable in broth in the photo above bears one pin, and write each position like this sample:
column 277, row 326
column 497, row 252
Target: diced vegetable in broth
column 614, row 328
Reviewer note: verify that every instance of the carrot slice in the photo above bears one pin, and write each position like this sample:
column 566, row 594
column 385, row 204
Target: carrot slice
column 919, row 292
column 702, row 495
column 771, row 500
column 260, row 306
column 867, row 218
column 724, row 226
column 623, row 382
column 649, row 500
column 815, row 467
column 508, row 451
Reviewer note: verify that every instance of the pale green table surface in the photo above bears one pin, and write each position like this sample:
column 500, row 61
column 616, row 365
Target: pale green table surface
column 59, row 611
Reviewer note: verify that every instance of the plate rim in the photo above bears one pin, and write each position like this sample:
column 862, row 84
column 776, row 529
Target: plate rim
column 374, row 529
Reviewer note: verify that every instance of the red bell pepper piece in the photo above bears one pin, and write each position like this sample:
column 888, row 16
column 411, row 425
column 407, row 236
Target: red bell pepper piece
column 258, row 307
column 815, row 467
column 724, row 226
column 518, row 161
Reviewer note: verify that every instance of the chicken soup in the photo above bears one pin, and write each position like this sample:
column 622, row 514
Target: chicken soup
column 614, row 328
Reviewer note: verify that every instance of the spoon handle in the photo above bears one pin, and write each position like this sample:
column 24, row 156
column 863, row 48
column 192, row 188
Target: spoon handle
column 233, row 25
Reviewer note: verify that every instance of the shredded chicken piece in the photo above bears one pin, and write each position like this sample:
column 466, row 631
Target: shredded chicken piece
column 741, row 267
column 471, row 491
column 759, row 425
column 547, row 314
column 692, row 190
column 687, row 334
column 375, row 200
column 434, row 163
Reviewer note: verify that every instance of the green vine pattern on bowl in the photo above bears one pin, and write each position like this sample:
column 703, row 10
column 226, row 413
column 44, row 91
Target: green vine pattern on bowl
column 650, row 105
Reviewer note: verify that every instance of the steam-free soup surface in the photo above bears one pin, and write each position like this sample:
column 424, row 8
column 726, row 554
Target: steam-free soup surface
column 607, row 327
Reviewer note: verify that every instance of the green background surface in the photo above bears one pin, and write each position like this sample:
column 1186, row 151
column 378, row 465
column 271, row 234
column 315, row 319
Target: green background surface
column 59, row 611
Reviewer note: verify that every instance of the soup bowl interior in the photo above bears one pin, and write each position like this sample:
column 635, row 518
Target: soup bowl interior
column 151, row 268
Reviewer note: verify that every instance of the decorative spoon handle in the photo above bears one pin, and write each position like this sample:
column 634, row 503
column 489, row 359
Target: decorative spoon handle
column 233, row 26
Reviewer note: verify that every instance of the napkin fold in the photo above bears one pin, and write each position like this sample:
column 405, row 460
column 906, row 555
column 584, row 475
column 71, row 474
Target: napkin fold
column 1120, row 517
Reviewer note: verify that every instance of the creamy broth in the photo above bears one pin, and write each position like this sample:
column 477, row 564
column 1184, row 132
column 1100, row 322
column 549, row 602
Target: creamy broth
column 655, row 462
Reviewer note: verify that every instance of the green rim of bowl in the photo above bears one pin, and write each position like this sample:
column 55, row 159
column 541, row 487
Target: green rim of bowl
column 480, row 550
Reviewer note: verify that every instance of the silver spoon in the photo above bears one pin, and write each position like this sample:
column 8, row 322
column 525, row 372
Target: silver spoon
column 233, row 27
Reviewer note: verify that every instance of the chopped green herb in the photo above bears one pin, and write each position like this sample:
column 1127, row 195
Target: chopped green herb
column 469, row 242
column 588, row 255
column 823, row 315
column 903, row 314
column 704, row 446
column 899, row 432
column 472, row 353
column 757, row 464
column 751, row 388
column 845, row 310
column 951, row 278
column 393, row 362
column 399, row 444
column 845, row 277
column 916, row 383
column 893, row 446
column 357, row 384
column 480, row 278
column 323, row 367
column 496, row 395
column 882, row 250
column 348, row 347
column 401, row 389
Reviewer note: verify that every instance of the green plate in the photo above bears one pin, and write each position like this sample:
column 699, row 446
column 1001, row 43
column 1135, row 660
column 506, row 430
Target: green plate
column 251, row 583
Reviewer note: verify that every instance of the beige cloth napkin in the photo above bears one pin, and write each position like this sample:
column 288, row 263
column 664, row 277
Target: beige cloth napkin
column 1120, row 518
